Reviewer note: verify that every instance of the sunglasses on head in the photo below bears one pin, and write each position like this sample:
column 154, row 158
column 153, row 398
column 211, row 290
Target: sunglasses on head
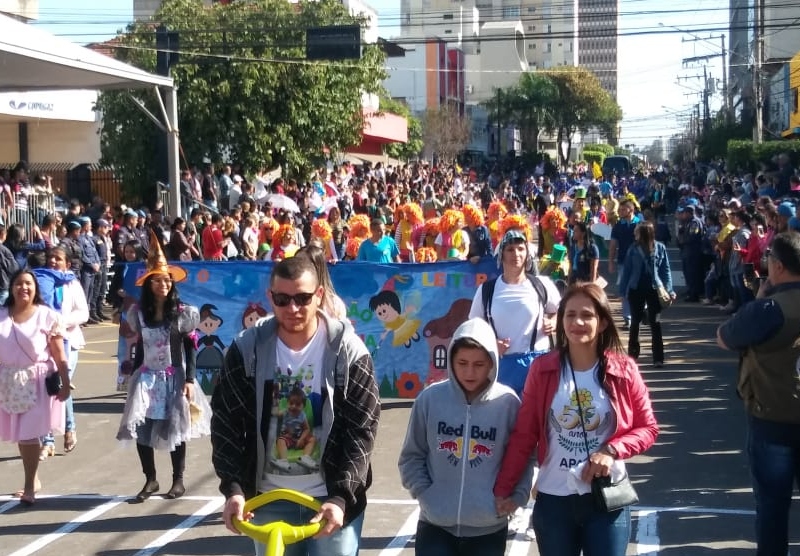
column 283, row 299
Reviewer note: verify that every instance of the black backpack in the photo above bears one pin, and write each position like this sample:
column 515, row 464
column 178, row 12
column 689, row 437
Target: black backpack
column 487, row 292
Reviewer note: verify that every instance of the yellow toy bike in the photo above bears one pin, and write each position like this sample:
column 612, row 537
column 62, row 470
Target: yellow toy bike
column 278, row 534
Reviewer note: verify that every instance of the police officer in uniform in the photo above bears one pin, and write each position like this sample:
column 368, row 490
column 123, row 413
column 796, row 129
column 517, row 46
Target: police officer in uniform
column 72, row 246
column 91, row 263
column 690, row 241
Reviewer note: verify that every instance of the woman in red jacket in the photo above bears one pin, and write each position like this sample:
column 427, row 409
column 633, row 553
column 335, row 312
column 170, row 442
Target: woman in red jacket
column 576, row 443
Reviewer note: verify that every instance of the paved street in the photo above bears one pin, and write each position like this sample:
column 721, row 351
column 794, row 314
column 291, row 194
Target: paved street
column 693, row 484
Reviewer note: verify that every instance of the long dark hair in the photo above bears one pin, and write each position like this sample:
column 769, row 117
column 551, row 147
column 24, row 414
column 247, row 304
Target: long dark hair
column 15, row 238
column 607, row 341
column 646, row 236
column 37, row 297
column 147, row 304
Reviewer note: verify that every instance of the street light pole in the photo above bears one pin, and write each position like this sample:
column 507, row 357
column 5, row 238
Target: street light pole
column 758, row 55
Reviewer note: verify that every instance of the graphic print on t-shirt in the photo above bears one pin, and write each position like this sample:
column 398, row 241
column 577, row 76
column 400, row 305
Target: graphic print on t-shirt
column 295, row 451
column 567, row 423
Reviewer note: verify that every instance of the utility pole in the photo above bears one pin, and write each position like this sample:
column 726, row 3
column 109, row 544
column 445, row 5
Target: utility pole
column 726, row 97
column 758, row 55
column 726, row 100
column 706, row 108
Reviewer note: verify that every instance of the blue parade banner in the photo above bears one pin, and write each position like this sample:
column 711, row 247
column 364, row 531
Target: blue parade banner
column 405, row 313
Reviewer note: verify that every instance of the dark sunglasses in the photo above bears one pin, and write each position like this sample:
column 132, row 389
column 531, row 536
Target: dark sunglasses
column 283, row 299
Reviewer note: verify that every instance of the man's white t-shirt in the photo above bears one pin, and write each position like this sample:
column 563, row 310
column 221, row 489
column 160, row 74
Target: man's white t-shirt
column 515, row 308
column 565, row 446
column 297, row 369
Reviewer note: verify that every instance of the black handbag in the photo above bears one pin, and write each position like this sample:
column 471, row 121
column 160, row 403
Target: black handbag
column 607, row 496
column 610, row 497
column 53, row 383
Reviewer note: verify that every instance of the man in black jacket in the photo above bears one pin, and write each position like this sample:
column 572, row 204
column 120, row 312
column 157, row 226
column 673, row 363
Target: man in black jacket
column 297, row 406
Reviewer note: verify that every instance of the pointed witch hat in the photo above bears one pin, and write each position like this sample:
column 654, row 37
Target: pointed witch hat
column 157, row 263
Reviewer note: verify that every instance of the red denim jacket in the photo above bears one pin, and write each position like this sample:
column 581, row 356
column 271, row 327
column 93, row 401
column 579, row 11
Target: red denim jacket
column 636, row 425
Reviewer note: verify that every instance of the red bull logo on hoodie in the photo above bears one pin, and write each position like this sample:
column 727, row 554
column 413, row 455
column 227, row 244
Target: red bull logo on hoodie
column 480, row 443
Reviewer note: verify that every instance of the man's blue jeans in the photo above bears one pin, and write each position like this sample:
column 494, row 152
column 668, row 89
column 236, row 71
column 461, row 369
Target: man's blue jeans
column 344, row 542
column 565, row 525
column 774, row 452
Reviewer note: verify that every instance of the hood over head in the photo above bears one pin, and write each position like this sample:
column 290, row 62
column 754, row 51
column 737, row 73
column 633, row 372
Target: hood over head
column 481, row 331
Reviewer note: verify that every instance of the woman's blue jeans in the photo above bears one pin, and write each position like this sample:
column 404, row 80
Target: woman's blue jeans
column 567, row 525
column 69, row 409
column 344, row 542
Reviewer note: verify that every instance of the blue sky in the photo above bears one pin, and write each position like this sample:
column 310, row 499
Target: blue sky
column 653, row 101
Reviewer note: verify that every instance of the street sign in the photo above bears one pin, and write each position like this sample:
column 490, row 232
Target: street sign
column 335, row 42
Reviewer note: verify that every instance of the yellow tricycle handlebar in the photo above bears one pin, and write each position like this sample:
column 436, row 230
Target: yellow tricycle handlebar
column 278, row 534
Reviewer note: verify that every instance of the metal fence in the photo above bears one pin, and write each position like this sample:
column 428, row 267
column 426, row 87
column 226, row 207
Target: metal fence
column 26, row 209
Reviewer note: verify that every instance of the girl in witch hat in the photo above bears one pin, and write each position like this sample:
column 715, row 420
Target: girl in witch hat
column 164, row 408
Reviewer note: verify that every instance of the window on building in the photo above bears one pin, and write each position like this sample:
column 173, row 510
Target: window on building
column 531, row 28
column 440, row 357
column 447, row 16
column 549, row 47
column 795, row 106
column 532, row 9
column 549, row 28
column 448, row 31
column 510, row 12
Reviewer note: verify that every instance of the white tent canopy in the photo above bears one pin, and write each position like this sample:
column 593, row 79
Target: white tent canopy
column 31, row 58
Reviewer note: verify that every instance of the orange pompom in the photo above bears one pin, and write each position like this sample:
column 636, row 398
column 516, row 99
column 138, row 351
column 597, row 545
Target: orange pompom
column 425, row 255
column 473, row 215
column 497, row 210
column 414, row 213
column 352, row 246
column 515, row 222
column 451, row 218
column 286, row 230
column 320, row 229
column 359, row 226
column 554, row 219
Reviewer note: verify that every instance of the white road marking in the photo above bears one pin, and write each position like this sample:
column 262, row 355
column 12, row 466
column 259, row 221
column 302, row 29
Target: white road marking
column 520, row 545
column 8, row 505
column 68, row 527
column 180, row 529
column 647, row 541
column 400, row 540
column 400, row 502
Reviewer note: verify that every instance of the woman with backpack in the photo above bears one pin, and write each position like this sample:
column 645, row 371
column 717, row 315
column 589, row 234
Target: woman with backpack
column 520, row 307
column 584, row 255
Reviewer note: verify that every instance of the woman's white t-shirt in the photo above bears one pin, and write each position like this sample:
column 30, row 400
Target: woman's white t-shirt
column 566, row 448
column 515, row 308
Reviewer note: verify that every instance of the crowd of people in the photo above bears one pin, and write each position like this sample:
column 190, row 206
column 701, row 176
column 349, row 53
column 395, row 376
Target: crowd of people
column 539, row 364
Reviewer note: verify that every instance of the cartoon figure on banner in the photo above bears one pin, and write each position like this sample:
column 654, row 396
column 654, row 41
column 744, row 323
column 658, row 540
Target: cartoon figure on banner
column 129, row 346
column 388, row 307
column 210, row 355
column 438, row 333
column 252, row 313
column 296, row 410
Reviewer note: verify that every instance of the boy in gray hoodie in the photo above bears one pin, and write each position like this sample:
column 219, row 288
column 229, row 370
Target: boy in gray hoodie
column 458, row 431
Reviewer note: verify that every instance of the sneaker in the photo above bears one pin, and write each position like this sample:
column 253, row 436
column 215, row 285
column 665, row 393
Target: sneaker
column 706, row 301
column 281, row 464
column 627, row 324
column 530, row 534
column 308, row 462
column 658, row 364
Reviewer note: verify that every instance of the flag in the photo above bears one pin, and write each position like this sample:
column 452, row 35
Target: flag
column 597, row 172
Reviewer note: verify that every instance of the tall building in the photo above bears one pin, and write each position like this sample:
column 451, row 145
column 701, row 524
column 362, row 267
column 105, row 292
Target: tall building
column 740, row 78
column 598, row 25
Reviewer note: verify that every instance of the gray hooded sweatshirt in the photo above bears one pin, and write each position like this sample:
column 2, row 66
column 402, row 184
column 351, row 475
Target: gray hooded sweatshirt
column 453, row 448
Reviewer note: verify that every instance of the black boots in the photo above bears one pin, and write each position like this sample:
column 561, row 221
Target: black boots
column 151, row 486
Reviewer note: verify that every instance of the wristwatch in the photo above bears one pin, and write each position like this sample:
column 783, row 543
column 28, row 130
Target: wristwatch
column 609, row 449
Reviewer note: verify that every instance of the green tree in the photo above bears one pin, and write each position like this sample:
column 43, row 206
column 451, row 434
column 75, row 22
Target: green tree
column 245, row 92
column 531, row 103
column 581, row 104
column 445, row 132
column 413, row 147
